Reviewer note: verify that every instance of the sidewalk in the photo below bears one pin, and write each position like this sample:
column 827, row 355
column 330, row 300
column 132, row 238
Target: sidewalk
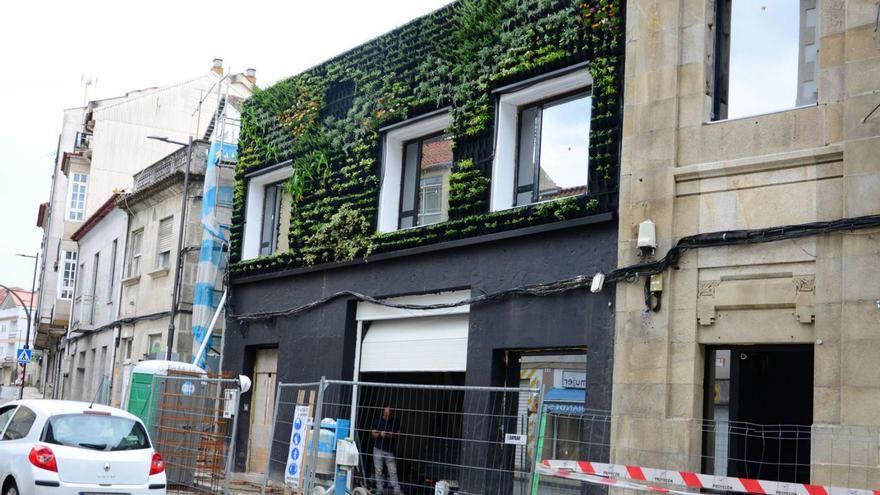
column 11, row 393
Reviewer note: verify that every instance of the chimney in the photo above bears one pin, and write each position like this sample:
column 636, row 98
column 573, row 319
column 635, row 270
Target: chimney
column 251, row 75
column 218, row 66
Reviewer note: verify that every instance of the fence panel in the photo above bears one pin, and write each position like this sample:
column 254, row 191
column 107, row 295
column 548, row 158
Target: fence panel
column 475, row 439
column 290, row 398
column 712, row 455
column 192, row 425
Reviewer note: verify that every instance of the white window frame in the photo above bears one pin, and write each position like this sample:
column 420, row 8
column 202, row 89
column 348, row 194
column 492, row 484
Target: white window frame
column 253, row 219
column 129, row 273
column 506, row 135
column 77, row 213
column 62, row 283
column 170, row 246
column 392, row 163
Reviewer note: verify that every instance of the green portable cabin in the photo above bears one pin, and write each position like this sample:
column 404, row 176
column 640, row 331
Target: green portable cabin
column 141, row 386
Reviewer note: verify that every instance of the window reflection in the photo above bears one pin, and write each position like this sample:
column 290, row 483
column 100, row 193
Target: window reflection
column 553, row 153
column 767, row 56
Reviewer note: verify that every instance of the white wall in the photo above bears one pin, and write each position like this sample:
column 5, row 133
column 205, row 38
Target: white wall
column 120, row 145
column 53, row 229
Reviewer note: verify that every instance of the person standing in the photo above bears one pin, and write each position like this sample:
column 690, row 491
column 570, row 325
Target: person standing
column 385, row 434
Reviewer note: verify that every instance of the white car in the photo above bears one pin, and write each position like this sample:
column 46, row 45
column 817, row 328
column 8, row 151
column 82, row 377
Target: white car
column 54, row 447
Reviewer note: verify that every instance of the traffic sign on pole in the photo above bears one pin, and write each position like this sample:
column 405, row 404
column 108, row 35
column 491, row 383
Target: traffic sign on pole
column 24, row 356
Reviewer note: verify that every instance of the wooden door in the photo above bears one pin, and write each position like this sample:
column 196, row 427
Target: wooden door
column 262, row 409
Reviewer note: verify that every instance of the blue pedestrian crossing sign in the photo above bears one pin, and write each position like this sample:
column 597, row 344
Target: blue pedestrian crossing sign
column 24, row 356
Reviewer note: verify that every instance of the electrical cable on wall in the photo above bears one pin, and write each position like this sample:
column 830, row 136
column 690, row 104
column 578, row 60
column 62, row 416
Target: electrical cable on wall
column 628, row 274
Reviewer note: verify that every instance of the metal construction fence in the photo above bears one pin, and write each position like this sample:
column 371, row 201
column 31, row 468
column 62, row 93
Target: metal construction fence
column 192, row 424
column 470, row 440
column 594, row 447
column 411, row 438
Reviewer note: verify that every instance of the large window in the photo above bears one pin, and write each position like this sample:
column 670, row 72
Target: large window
column 267, row 212
column 77, row 206
column 553, row 149
column 424, row 195
column 163, row 243
column 134, row 254
column 68, row 274
column 20, row 425
column 96, row 432
column 765, row 56
column 416, row 164
column 271, row 217
column 542, row 139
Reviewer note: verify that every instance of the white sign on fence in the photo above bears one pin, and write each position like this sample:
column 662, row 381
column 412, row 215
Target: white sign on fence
column 515, row 439
column 301, row 421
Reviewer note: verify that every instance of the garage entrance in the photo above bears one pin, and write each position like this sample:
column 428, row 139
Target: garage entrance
column 761, row 401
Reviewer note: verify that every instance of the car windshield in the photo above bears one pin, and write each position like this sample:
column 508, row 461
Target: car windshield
column 97, row 432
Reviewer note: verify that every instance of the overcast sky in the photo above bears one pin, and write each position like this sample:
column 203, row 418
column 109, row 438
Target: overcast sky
column 49, row 46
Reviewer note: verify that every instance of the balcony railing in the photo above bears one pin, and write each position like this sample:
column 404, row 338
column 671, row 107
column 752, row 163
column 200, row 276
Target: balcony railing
column 173, row 163
column 83, row 311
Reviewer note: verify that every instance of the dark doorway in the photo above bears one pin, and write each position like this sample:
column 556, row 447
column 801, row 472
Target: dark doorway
column 761, row 401
column 430, row 422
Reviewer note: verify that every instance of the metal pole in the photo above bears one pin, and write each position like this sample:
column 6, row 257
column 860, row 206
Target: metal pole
column 357, row 375
column 272, row 438
column 179, row 267
column 539, row 442
column 209, row 332
column 314, row 438
column 231, row 453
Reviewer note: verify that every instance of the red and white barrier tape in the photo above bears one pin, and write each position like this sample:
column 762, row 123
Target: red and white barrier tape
column 575, row 469
column 601, row 480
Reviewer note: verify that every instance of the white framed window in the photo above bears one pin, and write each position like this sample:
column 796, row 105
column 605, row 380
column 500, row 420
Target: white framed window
column 416, row 164
column 542, row 141
column 259, row 185
column 76, row 206
column 424, row 189
column 134, row 254
column 163, row 243
column 68, row 274
column 271, row 218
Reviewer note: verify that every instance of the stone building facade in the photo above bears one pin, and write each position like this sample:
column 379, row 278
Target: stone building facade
column 792, row 322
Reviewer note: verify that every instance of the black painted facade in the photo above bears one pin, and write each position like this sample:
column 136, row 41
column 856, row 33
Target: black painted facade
column 321, row 342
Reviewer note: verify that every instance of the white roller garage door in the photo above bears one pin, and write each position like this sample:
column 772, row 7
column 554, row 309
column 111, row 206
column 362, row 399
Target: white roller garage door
column 432, row 343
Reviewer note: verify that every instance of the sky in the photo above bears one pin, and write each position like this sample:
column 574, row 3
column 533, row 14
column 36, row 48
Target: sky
column 51, row 47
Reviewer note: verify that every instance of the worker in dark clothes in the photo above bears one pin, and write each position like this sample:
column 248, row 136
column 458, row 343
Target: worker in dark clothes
column 385, row 434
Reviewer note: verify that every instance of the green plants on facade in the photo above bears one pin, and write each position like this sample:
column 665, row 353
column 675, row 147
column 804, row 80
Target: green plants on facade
column 326, row 123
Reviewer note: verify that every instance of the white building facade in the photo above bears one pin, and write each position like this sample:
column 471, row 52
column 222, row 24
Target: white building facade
column 90, row 348
column 13, row 334
column 100, row 148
